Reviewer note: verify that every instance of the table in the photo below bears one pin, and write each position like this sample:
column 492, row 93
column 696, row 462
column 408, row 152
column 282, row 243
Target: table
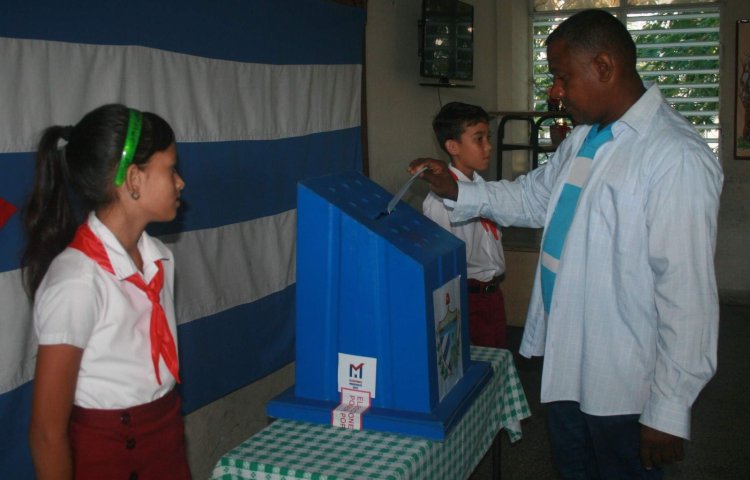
column 288, row 449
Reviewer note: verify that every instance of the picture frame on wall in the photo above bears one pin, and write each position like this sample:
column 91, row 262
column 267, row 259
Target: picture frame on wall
column 742, row 92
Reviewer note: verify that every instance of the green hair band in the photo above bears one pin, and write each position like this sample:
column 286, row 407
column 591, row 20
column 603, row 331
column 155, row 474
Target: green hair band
column 135, row 122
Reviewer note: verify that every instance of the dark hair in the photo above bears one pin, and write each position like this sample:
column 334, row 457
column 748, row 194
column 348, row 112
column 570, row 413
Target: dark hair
column 595, row 31
column 453, row 119
column 79, row 177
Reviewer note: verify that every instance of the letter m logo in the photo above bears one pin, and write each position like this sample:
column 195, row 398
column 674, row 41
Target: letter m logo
column 355, row 371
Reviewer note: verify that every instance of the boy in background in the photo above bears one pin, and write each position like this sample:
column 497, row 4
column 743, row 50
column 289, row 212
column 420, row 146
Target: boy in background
column 463, row 133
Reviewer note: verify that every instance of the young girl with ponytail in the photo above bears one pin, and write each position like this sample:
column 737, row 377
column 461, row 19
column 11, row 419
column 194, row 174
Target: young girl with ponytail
column 104, row 403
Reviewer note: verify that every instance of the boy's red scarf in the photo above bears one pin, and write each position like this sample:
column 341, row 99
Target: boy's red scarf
column 162, row 342
column 489, row 225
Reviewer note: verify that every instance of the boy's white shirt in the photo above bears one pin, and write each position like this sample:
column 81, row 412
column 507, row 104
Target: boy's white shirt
column 485, row 258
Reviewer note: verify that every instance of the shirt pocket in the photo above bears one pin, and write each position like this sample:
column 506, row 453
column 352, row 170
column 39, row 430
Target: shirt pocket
column 619, row 221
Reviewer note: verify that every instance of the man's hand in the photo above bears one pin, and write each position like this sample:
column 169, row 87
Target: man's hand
column 659, row 448
column 437, row 176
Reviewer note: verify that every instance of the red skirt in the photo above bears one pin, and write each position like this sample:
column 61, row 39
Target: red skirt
column 139, row 443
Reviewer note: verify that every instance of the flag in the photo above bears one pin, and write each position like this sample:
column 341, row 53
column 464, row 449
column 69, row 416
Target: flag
column 260, row 93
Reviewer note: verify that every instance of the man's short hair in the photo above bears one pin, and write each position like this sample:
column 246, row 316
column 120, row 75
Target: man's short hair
column 595, row 31
column 453, row 119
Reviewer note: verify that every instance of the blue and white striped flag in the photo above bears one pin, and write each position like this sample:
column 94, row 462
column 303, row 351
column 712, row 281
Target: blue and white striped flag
column 261, row 94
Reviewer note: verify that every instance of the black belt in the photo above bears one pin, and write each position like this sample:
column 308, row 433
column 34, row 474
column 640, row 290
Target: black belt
column 475, row 286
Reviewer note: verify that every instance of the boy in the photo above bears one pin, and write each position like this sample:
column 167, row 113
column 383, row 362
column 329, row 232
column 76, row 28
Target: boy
column 463, row 133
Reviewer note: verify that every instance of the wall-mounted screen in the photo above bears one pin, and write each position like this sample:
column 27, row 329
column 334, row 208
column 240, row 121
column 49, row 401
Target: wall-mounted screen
column 447, row 40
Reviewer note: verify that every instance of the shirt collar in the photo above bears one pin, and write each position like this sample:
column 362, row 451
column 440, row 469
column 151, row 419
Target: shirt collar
column 461, row 175
column 640, row 115
column 122, row 264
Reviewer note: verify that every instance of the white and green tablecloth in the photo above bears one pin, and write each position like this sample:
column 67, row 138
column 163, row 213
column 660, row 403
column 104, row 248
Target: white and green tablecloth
column 290, row 449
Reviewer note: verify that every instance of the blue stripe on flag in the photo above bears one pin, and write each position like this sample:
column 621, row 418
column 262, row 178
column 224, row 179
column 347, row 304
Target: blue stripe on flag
column 268, row 31
column 231, row 182
column 224, row 352
column 227, row 182
column 11, row 242
column 15, row 411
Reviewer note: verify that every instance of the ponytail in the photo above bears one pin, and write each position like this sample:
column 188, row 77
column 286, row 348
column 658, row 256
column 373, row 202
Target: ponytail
column 49, row 220
column 80, row 178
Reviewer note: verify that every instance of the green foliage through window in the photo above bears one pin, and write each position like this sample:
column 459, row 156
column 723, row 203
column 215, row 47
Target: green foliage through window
column 677, row 48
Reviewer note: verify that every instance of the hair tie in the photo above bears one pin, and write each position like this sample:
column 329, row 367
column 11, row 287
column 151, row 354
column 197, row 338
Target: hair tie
column 66, row 132
column 135, row 122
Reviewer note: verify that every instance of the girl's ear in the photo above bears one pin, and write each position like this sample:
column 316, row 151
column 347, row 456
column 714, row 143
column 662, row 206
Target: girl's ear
column 133, row 181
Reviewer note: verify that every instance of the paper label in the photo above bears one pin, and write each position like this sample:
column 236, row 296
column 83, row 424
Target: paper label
column 357, row 373
column 354, row 403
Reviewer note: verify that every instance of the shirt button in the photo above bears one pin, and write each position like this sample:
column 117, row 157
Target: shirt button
column 130, row 443
column 125, row 418
column 133, row 476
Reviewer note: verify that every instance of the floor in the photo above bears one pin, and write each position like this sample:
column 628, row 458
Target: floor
column 721, row 417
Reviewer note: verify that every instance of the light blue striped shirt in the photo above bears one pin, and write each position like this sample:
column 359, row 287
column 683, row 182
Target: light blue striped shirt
column 633, row 321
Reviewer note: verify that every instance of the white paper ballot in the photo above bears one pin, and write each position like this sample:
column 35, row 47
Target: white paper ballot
column 400, row 193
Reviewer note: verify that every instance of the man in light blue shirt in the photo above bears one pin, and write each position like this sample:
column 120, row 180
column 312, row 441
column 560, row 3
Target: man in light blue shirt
column 624, row 306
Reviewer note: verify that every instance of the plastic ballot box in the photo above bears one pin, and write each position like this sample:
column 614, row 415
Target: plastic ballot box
column 382, row 338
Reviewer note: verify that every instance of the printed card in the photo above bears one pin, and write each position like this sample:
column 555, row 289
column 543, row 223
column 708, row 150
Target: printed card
column 357, row 373
column 447, row 307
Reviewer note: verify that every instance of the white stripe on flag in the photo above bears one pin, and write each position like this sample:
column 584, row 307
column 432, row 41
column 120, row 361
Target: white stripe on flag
column 205, row 100
column 220, row 268
column 18, row 341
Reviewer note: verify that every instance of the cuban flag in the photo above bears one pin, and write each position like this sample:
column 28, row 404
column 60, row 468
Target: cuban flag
column 261, row 94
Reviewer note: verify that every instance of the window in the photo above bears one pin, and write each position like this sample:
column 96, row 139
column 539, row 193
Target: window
column 677, row 48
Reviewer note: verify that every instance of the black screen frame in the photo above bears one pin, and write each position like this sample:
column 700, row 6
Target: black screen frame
column 446, row 37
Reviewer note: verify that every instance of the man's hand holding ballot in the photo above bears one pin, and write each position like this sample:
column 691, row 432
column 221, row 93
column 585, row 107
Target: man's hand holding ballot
column 437, row 176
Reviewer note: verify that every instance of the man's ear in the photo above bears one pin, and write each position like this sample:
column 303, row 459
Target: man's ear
column 452, row 146
column 604, row 64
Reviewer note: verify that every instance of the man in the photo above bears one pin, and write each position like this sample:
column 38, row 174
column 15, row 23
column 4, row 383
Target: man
column 624, row 306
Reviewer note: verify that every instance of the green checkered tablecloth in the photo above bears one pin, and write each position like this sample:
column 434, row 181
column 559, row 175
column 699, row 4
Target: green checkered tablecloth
column 290, row 449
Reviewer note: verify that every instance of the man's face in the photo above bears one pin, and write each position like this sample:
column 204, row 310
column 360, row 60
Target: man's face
column 576, row 83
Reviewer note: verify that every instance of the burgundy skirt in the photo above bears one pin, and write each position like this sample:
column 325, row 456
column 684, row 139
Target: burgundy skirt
column 139, row 443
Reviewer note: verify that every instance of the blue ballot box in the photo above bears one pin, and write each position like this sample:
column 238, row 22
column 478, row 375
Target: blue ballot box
column 382, row 310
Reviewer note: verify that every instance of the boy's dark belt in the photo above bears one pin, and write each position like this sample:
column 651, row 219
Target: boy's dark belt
column 475, row 286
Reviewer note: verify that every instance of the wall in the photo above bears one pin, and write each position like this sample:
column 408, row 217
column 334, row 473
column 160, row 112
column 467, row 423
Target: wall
column 732, row 261
column 399, row 110
column 225, row 423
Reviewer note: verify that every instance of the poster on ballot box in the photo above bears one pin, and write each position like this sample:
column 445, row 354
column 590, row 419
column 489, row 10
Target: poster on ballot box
column 447, row 306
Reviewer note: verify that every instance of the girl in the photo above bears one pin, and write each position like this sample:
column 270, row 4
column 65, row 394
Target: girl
column 104, row 404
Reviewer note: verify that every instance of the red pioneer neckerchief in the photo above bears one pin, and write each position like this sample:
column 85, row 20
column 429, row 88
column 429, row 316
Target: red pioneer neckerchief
column 162, row 342
column 489, row 225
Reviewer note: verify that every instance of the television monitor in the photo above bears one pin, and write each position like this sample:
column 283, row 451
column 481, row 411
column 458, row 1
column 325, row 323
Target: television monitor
column 447, row 40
